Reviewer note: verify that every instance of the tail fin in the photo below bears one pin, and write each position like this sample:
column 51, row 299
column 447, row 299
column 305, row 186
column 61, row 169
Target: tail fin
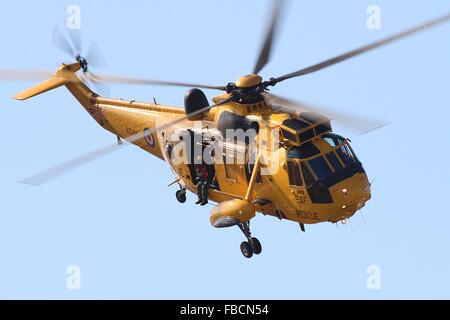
column 63, row 76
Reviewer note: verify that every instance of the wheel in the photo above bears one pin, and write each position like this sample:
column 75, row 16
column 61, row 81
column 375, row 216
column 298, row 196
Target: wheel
column 246, row 249
column 256, row 246
column 181, row 196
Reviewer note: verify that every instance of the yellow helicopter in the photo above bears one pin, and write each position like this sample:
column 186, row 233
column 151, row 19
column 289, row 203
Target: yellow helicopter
column 249, row 151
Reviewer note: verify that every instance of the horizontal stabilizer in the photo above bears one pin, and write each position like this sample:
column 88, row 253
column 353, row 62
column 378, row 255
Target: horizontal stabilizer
column 52, row 83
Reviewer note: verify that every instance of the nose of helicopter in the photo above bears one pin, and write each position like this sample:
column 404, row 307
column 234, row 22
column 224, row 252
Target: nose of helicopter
column 351, row 195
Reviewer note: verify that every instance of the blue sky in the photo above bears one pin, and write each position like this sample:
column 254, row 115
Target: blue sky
column 116, row 219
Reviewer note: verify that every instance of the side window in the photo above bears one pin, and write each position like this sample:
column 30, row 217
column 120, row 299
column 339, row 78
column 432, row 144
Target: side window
column 307, row 174
column 295, row 178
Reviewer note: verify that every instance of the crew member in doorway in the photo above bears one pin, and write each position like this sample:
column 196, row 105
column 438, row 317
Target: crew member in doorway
column 205, row 176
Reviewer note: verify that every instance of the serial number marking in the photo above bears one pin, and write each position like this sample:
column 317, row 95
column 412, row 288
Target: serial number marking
column 131, row 131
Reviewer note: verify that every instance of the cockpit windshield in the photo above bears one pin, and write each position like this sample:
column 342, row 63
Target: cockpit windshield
column 319, row 167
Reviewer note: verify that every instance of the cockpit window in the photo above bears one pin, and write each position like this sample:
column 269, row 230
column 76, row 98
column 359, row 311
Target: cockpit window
column 288, row 135
column 307, row 175
column 333, row 139
column 306, row 150
column 344, row 152
column 295, row 178
column 346, row 155
column 317, row 191
column 334, row 161
column 330, row 141
column 320, row 168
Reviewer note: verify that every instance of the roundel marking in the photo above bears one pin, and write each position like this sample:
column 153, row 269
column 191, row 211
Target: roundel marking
column 149, row 138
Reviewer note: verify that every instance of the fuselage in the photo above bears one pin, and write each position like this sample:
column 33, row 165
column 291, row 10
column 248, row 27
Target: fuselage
column 321, row 180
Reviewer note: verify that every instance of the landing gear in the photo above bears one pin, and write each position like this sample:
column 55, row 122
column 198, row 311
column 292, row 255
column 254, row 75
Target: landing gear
column 181, row 195
column 256, row 246
column 252, row 245
column 246, row 249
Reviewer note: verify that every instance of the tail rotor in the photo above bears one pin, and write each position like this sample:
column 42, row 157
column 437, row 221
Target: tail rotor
column 72, row 46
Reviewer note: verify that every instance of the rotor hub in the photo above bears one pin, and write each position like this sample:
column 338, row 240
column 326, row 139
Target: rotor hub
column 249, row 81
column 83, row 63
column 247, row 89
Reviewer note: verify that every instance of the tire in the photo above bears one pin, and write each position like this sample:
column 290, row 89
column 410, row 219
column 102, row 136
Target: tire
column 246, row 249
column 181, row 196
column 256, row 246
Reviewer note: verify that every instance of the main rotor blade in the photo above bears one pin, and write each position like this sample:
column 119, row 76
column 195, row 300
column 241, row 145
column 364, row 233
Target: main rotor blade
column 266, row 49
column 354, row 53
column 21, row 75
column 358, row 124
column 126, row 80
column 60, row 41
column 65, row 167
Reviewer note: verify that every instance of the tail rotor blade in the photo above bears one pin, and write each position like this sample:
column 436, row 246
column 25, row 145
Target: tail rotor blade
column 95, row 57
column 61, row 42
column 75, row 37
column 104, row 89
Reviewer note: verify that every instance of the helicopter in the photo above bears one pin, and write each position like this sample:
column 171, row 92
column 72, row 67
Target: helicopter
column 286, row 161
